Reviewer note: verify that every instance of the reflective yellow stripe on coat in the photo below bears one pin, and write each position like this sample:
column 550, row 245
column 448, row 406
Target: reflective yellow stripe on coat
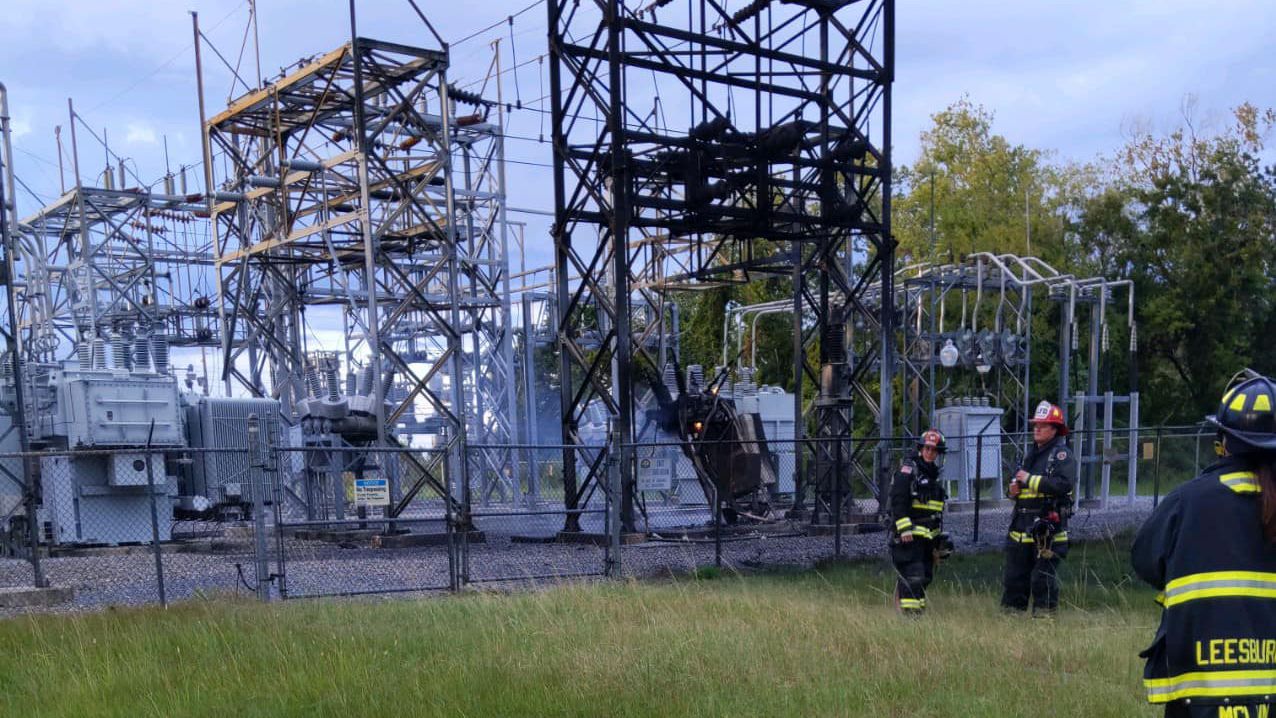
column 1242, row 482
column 1211, row 684
column 1220, row 584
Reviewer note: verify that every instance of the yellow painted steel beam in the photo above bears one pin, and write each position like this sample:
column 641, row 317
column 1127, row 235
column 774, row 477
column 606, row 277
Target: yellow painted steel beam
column 254, row 99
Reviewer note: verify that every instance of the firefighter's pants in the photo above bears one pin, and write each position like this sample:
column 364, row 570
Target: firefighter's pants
column 1029, row 576
column 914, row 569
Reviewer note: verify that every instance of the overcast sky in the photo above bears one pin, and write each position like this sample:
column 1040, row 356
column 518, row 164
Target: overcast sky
column 1071, row 77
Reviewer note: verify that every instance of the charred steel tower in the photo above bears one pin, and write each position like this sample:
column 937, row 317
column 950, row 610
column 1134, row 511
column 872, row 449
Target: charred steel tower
column 693, row 147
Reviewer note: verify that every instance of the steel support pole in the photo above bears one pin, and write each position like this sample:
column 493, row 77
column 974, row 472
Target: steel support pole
column 529, row 402
column 619, row 231
column 1092, row 403
column 562, row 272
column 799, row 376
column 370, row 242
column 886, row 252
column 8, row 243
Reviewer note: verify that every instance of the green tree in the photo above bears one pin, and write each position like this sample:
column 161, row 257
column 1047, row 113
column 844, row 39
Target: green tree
column 1191, row 219
column 981, row 192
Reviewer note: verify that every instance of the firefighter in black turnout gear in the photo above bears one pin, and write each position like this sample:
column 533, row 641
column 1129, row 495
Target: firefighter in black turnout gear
column 917, row 508
column 1210, row 549
column 1038, row 537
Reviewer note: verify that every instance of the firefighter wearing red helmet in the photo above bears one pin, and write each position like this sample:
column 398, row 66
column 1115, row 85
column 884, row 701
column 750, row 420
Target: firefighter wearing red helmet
column 1038, row 537
column 917, row 510
column 1210, row 549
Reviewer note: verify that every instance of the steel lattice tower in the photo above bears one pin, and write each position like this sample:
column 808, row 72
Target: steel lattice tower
column 354, row 186
column 110, row 269
column 778, row 165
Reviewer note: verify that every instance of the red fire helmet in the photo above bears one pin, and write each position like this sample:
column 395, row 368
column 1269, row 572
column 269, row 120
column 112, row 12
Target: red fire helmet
column 1048, row 413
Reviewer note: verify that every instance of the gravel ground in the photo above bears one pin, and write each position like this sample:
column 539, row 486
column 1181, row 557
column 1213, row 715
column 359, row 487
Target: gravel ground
column 319, row 568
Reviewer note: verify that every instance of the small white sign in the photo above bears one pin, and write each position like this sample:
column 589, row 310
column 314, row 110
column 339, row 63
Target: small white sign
column 371, row 492
column 655, row 474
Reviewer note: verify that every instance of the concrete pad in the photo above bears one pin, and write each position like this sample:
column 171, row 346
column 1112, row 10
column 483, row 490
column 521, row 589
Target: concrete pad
column 598, row 539
column 430, row 539
column 89, row 551
column 848, row 529
column 519, row 538
column 34, row 597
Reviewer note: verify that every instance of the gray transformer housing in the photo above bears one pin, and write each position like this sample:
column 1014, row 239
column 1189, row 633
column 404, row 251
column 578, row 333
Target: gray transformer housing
column 104, row 408
column 91, row 496
column 225, row 477
column 82, row 506
column 961, row 426
column 11, row 470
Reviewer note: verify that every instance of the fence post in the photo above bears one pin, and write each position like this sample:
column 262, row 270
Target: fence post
column 467, row 518
column 256, row 464
column 155, row 543
column 1196, row 457
column 30, row 496
column 1133, row 455
column 837, row 498
column 1105, row 464
column 616, row 455
column 273, row 471
column 449, row 516
column 717, row 527
column 1156, row 471
column 979, row 471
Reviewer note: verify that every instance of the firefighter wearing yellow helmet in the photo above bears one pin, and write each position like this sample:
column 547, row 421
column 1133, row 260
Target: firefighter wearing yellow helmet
column 1037, row 540
column 1210, row 549
column 917, row 511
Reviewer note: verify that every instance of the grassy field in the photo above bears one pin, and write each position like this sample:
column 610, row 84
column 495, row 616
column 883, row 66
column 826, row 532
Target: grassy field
column 802, row 644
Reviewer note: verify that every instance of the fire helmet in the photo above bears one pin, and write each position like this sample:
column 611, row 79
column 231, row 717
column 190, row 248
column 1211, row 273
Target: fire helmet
column 1247, row 414
column 932, row 437
column 1048, row 413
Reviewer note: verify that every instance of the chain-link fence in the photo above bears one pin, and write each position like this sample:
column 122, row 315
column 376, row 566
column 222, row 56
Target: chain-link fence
column 749, row 504
column 126, row 527
column 539, row 513
column 360, row 520
column 137, row 526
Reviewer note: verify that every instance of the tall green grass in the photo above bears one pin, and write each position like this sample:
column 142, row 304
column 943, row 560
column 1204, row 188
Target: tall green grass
column 814, row 643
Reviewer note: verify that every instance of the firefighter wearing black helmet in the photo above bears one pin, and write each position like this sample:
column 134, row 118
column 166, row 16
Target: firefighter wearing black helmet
column 1210, row 549
column 917, row 510
column 1037, row 540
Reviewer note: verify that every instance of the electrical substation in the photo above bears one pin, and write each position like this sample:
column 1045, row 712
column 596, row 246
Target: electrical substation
column 362, row 194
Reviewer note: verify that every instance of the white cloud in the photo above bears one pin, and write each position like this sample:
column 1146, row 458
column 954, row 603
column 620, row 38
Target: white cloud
column 139, row 133
column 20, row 126
column 118, row 26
